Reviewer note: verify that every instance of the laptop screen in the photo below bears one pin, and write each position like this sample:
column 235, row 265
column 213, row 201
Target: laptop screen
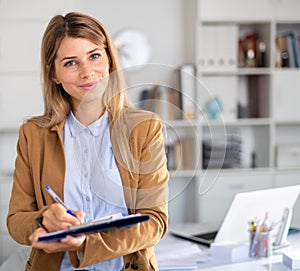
column 249, row 205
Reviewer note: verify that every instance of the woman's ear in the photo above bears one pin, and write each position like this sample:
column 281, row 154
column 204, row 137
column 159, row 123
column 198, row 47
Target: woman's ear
column 56, row 81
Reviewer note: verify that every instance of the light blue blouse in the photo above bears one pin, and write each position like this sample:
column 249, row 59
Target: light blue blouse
column 92, row 182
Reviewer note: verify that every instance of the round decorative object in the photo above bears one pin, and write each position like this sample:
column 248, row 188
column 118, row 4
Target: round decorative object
column 133, row 48
column 213, row 108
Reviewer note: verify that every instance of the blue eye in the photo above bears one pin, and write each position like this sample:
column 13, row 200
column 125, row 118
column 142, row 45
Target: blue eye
column 70, row 63
column 95, row 56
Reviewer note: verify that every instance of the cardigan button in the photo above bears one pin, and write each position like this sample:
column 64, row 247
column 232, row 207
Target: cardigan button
column 134, row 266
column 127, row 265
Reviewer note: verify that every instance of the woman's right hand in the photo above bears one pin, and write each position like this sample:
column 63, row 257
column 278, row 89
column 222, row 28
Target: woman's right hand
column 56, row 218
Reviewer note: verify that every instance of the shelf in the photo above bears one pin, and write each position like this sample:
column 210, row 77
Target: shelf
column 286, row 70
column 184, row 173
column 239, row 21
column 287, row 122
column 186, row 123
column 287, row 170
column 239, row 122
column 237, row 71
column 238, row 171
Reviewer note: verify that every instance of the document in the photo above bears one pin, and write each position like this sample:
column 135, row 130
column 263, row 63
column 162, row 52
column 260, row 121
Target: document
column 105, row 223
column 175, row 254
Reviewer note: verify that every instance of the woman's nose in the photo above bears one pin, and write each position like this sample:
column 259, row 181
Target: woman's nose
column 86, row 71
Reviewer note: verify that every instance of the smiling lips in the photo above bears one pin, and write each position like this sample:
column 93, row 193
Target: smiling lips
column 89, row 86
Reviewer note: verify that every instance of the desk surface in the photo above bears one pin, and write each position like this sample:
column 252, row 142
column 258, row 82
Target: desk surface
column 191, row 251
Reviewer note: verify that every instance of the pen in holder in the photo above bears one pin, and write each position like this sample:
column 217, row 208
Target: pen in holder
column 261, row 238
column 261, row 244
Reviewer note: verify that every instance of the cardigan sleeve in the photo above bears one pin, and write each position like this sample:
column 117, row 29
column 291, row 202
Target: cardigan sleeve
column 23, row 203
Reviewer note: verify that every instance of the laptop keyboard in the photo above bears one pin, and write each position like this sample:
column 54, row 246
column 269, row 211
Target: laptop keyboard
column 207, row 236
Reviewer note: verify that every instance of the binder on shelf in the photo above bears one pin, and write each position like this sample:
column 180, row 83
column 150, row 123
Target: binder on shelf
column 208, row 49
column 228, row 47
column 219, row 47
column 187, row 81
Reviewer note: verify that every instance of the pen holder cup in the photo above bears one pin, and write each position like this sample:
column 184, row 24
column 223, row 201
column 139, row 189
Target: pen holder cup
column 261, row 244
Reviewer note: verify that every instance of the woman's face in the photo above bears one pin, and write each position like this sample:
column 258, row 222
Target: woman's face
column 82, row 68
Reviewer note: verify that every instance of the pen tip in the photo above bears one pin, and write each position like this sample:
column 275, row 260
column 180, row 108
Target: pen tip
column 47, row 187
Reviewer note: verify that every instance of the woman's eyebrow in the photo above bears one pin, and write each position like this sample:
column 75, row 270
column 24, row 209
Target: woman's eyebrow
column 67, row 58
column 72, row 57
column 96, row 49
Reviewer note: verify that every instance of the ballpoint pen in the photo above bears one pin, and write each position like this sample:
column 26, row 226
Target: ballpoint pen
column 58, row 200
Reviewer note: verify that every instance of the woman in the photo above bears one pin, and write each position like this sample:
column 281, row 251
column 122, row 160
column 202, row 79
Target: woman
column 99, row 155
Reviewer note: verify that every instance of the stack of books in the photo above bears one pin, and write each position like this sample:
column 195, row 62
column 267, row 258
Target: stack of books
column 217, row 154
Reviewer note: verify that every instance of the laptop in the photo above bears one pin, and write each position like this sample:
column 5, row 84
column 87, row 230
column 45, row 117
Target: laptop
column 244, row 207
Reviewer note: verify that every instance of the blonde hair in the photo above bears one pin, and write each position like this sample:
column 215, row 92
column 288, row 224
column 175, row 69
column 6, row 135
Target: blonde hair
column 57, row 103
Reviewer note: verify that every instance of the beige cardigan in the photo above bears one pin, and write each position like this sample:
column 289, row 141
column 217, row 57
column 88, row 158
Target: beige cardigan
column 41, row 161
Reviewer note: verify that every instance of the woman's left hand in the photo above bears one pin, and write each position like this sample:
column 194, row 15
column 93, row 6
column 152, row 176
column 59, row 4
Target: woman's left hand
column 69, row 243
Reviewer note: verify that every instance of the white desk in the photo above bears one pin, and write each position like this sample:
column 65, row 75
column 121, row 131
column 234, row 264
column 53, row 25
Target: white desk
column 185, row 257
column 273, row 263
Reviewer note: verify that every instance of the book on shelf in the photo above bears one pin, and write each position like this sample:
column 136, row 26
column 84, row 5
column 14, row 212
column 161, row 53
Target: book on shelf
column 181, row 154
column 287, row 46
column 163, row 101
column 174, row 106
column 187, row 87
column 293, row 49
column 297, row 41
column 253, row 98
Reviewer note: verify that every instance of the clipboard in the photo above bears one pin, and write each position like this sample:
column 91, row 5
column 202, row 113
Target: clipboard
column 113, row 221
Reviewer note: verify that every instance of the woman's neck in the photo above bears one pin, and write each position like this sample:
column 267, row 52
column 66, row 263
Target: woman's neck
column 89, row 113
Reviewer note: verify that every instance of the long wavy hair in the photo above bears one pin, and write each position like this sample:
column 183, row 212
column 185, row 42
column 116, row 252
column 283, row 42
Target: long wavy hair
column 57, row 103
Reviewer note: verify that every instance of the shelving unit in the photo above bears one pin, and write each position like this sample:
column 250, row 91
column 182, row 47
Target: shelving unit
column 270, row 120
column 273, row 119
